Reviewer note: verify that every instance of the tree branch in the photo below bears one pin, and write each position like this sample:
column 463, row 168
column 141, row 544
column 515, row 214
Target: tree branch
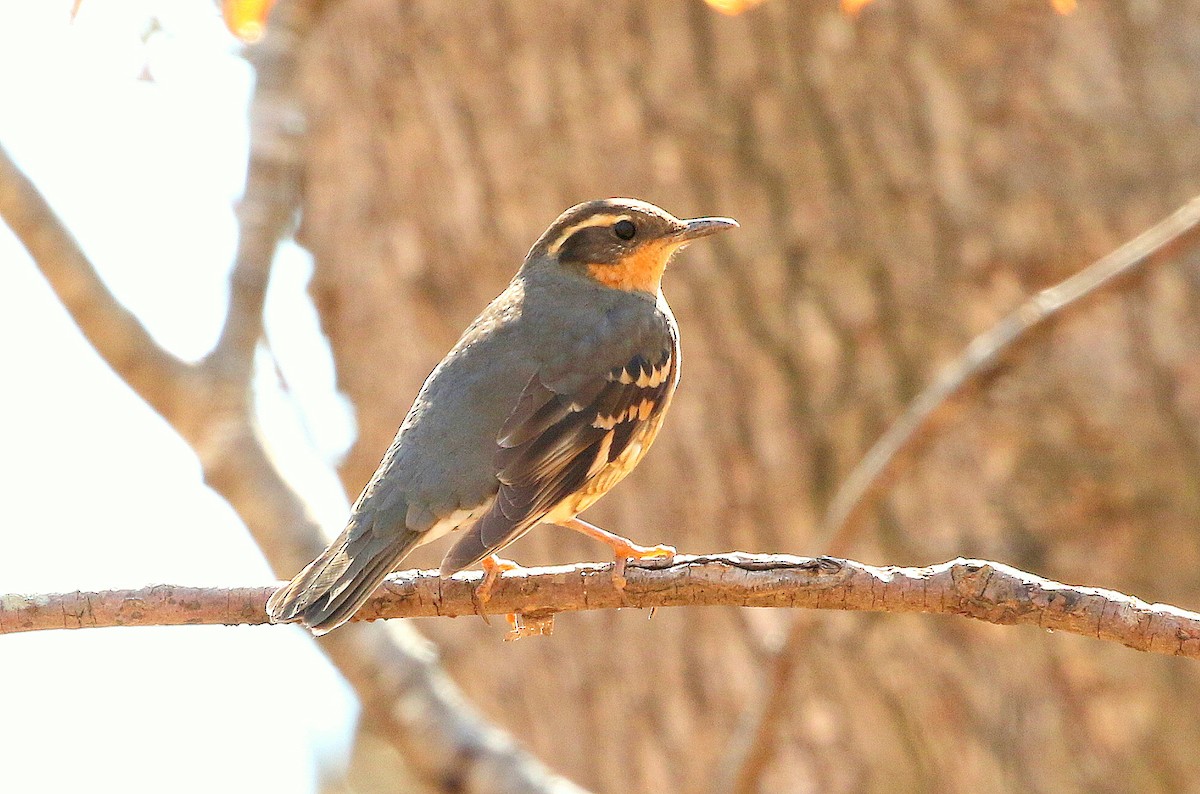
column 753, row 746
column 116, row 334
column 1181, row 230
column 409, row 699
column 987, row 591
column 273, row 177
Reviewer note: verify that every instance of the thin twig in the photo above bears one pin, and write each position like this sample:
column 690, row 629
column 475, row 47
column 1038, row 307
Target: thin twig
column 273, row 176
column 980, row 589
column 1159, row 243
column 753, row 745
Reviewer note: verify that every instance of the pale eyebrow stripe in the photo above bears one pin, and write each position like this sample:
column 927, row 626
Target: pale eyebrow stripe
column 595, row 220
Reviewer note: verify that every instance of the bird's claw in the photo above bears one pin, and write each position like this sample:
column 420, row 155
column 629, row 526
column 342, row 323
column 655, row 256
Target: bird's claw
column 493, row 566
column 635, row 552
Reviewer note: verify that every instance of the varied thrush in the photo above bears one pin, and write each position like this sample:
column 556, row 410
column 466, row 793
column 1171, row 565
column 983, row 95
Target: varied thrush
column 552, row 395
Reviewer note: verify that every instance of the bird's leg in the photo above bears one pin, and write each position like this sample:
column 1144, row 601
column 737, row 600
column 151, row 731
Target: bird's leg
column 624, row 549
column 493, row 565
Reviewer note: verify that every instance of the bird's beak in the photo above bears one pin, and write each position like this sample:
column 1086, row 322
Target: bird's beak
column 702, row 227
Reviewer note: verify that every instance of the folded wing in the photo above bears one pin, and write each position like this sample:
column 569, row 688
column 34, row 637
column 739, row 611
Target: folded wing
column 563, row 432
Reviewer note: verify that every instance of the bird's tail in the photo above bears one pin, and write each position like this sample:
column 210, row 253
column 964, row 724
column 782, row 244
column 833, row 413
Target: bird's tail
column 332, row 587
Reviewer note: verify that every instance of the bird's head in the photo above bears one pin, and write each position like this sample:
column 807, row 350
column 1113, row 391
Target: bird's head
column 621, row 243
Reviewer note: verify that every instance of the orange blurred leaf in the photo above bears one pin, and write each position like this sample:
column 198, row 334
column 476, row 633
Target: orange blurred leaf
column 1064, row 7
column 851, row 7
column 732, row 7
column 246, row 19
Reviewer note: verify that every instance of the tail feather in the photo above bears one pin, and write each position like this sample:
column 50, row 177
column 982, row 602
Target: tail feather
column 332, row 587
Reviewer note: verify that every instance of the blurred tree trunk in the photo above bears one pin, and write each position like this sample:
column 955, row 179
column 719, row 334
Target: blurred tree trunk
column 902, row 179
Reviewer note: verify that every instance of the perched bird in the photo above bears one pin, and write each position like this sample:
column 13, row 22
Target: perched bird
column 552, row 395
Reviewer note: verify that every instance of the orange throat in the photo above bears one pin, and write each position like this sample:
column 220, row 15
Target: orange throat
column 641, row 271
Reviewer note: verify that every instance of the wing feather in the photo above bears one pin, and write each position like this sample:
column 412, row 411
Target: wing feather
column 560, row 435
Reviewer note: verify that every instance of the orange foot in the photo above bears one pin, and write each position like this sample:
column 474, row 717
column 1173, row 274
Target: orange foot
column 493, row 565
column 624, row 549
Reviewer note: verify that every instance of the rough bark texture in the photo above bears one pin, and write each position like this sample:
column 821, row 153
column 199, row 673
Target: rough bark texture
column 903, row 179
column 979, row 589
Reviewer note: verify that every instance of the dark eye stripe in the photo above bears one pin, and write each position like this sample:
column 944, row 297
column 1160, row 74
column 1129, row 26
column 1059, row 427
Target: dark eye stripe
column 569, row 232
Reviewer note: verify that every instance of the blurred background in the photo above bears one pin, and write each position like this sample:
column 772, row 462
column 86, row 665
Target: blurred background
column 905, row 174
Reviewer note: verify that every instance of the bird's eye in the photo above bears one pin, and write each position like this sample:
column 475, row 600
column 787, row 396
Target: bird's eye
column 624, row 229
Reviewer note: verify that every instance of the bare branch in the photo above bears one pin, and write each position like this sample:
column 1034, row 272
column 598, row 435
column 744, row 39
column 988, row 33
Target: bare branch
column 273, row 177
column 409, row 698
column 987, row 591
column 120, row 339
column 754, row 744
column 1159, row 243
